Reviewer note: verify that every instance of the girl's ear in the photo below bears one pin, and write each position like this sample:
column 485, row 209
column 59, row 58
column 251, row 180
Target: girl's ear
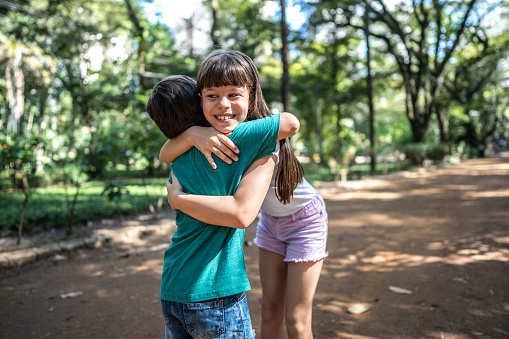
column 252, row 103
column 252, row 98
column 201, row 100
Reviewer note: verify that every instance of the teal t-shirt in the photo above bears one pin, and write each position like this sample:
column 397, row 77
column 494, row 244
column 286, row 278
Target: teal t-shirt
column 207, row 261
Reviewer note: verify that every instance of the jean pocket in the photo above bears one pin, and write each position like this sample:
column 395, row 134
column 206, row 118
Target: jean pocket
column 205, row 320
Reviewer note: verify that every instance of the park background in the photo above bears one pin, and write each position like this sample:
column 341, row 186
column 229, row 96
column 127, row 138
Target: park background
column 378, row 87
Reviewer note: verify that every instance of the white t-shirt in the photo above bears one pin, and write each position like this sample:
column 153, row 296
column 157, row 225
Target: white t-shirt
column 303, row 195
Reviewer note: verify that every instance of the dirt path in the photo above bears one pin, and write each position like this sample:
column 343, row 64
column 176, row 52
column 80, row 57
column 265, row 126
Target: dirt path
column 442, row 234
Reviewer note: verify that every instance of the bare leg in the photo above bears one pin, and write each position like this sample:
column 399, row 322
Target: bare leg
column 273, row 273
column 302, row 281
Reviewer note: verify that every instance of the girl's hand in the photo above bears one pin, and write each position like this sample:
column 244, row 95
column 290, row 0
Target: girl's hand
column 207, row 140
column 174, row 190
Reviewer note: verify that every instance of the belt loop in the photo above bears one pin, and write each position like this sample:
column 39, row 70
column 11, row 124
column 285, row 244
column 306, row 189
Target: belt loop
column 294, row 215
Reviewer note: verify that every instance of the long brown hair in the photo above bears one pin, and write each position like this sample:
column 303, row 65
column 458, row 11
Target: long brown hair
column 233, row 68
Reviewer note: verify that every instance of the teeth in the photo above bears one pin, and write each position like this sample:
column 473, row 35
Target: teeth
column 222, row 117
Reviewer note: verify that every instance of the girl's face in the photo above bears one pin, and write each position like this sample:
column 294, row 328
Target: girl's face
column 225, row 107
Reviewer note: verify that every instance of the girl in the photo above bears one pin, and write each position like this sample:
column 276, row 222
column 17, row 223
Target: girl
column 292, row 229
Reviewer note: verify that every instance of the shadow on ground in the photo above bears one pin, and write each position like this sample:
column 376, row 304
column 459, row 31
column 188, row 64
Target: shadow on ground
column 442, row 234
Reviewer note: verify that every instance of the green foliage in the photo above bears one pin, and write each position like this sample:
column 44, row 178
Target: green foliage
column 438, row 152
column 18, row 157
column 115, row 190
column 47, row 210
column 69, row 174
column 416, row 153
column 244, row 27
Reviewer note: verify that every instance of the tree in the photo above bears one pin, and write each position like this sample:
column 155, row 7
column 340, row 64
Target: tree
column 332, row 49
column 285, row 79
column 476, row 88
column 18, row 158
column 421, row 37
column 241, row 25
column 70, row 174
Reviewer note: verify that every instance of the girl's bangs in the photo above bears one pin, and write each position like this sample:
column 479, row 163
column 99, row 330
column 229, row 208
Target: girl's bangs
column 224, row 73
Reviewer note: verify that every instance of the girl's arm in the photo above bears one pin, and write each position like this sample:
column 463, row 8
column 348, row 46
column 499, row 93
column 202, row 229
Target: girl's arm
column 237, row 211
column 288, row 125
column 207, row 140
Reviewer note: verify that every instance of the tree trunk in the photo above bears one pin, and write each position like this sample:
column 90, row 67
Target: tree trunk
column 43, row 97
column 15, row 84
column 319, row 137
column 339, row 143
column 190, row 36
column 19, row 81
column 418, row 130
column 72, row 209
column 369, row 85
column 440, row 120
column 214, row 32
column 10, row 92
column 335, row 95
column 285, row 81
column 23, row 207
column 142, row 48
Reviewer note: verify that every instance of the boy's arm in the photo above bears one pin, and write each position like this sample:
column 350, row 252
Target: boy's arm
column 206, row 139
column 209, row 141
column 241, row 208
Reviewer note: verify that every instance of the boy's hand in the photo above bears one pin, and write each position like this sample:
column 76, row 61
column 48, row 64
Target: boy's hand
column 174, row 190
column 207, row 140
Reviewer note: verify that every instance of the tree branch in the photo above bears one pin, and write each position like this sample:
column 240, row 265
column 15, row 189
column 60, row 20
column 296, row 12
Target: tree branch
column 458, row 34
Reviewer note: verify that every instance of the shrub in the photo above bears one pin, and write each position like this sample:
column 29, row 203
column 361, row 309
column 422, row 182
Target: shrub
column 415, row 153
column 437, row 152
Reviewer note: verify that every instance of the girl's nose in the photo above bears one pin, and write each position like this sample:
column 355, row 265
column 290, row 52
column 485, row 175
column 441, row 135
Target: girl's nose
column 224, row 102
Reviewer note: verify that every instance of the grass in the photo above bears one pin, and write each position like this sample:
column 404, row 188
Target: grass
column 47, row 207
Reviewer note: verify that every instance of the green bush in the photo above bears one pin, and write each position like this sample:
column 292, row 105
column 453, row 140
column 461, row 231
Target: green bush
column 416, row 153
column 437, row 152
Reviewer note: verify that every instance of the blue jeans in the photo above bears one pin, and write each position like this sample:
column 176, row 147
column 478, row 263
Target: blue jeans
column 221, row 318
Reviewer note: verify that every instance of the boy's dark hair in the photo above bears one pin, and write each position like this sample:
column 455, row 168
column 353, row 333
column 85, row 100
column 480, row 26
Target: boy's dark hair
column 174, row 105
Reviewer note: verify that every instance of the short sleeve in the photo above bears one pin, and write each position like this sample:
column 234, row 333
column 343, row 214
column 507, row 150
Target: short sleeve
column 258, row 137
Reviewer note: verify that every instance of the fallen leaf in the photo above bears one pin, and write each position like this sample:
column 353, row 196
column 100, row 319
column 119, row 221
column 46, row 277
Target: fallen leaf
column 399, row 290
column 71, row 295
column 461, row 280
column 476, row 333
column 358, row 309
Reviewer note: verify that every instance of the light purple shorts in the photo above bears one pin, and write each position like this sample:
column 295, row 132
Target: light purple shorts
column 301, row 236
